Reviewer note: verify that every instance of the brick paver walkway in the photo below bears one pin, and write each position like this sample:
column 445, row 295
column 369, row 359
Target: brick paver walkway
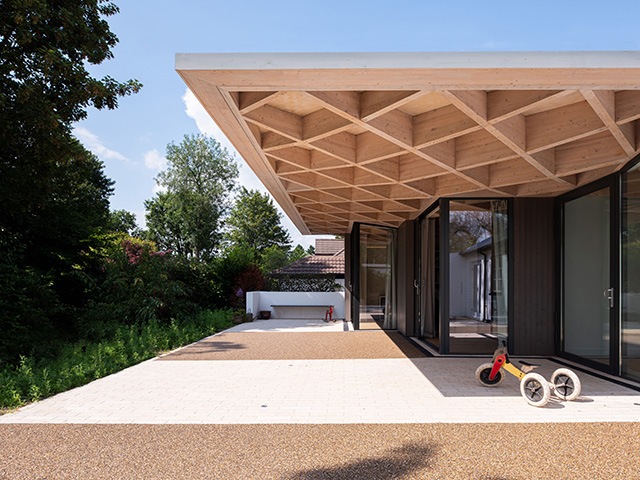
column 352, row 389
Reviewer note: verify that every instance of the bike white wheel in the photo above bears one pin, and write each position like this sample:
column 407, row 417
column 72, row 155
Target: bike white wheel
column 535, row 389
column 483, row 372
column 566, row 384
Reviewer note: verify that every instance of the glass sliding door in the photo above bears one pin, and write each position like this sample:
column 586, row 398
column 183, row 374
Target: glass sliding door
column 428, row 279
column 478, row 275
column 588, row 296
column 377, row 278
column 630, row 334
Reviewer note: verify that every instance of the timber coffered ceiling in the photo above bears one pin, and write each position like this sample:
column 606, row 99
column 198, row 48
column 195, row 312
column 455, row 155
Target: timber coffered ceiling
column 376, row 138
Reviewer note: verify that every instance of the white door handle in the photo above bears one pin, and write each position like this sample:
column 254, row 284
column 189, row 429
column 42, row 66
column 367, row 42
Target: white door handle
column 608, row 294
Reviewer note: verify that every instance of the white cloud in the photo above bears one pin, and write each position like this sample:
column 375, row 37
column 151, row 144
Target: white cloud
column 204, row 122
column 154, row 160
column 158, row 189
column 95, row 145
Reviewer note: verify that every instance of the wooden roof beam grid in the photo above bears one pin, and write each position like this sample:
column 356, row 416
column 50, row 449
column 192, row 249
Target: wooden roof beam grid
column 283, row 123
column 512, row 132
column 374, row 103
column 248, row 101
column 603, row 103
column 627, row 106
column 332, row 102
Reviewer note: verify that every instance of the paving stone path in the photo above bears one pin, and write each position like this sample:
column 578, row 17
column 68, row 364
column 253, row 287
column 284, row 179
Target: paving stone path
column 311, row 400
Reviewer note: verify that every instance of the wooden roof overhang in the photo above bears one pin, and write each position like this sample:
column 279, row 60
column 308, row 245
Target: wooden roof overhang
column 377, row 137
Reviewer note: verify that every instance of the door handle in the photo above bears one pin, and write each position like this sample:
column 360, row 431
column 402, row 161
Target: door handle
column 608, row 294
column 416, row 284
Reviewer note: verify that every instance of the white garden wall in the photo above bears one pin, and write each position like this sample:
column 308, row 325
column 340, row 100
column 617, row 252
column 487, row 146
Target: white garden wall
column 300, row 304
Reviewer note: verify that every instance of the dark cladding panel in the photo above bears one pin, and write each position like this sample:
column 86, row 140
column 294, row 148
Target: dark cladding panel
column 347, row 277
column 405, row 310
column 534, row 277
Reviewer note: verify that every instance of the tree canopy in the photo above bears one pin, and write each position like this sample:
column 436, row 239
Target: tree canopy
column 198, row 183
column 54, row 193
column 44, row 88
column 255, row 223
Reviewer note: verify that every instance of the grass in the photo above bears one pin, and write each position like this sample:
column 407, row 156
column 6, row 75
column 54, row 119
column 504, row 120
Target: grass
column 82, row 362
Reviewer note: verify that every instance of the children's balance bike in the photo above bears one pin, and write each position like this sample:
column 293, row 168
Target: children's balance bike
column 533, row 387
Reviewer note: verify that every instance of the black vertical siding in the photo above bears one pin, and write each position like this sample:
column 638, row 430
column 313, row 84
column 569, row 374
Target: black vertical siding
column 405, row 277
column 347, row 277
column 534, row 277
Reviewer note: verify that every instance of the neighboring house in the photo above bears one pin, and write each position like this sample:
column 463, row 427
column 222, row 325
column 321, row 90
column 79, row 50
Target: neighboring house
column 470, row 282
column 388, row 149
column 321, row 270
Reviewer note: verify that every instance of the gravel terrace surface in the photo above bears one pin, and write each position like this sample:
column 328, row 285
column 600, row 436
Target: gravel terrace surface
column 491, row 451
column 314, row 452
column 299, row 346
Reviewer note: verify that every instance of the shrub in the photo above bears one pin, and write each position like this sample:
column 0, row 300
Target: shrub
column 80, row 362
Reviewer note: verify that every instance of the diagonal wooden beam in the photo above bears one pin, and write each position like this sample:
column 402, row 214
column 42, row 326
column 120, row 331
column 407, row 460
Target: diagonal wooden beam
column 627, row 106
column 440, row 125
column 601, row 150
column 283, row 123
column 248, row 101
column 512, row 131
column 374, row 103
column 603, row 103
column 340, row 103
column 502, row 104
column 273, row 141
column 335, row 99
column 395, row 124
column 294, row 155
column 561, row 125
column 341, row 146
column 322, row 123
column 473, row 103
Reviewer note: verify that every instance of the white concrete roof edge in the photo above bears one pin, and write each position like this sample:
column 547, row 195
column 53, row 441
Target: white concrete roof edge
column 354, row 60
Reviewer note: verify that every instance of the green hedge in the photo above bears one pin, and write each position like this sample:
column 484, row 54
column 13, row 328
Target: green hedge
column 82, row 362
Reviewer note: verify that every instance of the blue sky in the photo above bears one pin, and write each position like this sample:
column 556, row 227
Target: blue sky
column 131, row 140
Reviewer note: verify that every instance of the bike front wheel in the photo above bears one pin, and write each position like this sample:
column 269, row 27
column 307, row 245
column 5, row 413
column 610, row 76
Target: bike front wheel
column 535, row 389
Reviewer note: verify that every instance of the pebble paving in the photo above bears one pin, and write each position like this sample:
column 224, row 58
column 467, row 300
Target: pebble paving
column 286, row 400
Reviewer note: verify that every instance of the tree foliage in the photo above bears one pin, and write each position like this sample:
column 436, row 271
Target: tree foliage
column 44, row 88
column 198, row 182
column 122, row 221
column 468, row 227
column 54, row 193
column 254, row 223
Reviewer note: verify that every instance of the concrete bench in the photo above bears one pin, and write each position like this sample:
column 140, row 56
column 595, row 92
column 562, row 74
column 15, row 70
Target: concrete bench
column 328, row 308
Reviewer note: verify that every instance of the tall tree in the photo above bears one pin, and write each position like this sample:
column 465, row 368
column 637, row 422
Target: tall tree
column 45, row 88
column 254, row 223
column 123, row 221
column 199, row 180
column 53, row 192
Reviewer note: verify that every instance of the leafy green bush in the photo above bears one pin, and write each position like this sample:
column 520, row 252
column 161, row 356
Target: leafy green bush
column 82, row 362
column 138, row 284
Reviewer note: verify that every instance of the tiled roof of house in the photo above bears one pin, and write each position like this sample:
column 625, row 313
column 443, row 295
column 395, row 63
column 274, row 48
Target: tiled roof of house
column 314, row 265
column 329, row 246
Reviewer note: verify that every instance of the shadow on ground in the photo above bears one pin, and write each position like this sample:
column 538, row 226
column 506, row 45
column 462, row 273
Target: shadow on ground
column 204, row 348
column 397, row 463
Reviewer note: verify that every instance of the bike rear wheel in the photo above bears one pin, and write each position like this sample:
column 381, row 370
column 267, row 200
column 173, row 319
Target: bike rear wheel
column 483, row 372
column 566, row 384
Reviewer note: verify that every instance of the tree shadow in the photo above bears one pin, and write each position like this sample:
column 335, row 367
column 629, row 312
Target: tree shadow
column 203, row 350
column 396, row 463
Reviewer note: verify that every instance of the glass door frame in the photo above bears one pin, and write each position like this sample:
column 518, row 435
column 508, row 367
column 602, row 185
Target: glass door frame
column 613, row 182
column 417, row 281
column 355, row 245
column 443, row 302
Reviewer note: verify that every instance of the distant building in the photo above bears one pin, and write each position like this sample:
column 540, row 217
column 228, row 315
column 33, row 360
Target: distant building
column 322, row 269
